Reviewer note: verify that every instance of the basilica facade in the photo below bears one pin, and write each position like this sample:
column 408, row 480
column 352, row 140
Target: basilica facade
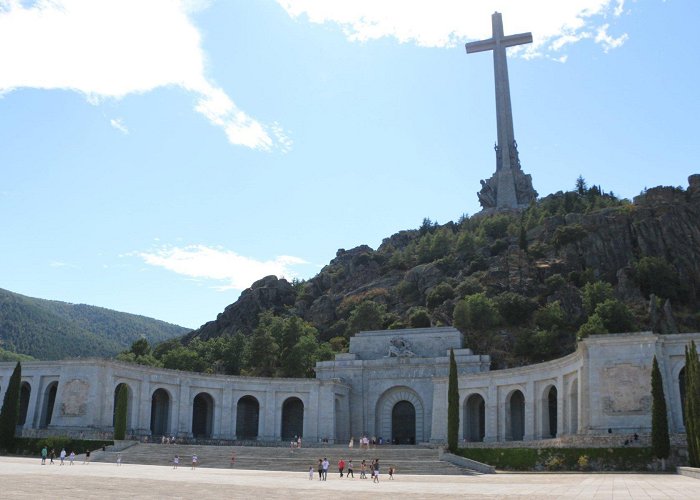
column 391, row 385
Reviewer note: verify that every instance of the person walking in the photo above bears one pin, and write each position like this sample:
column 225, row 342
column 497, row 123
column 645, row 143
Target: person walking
column 52, row 455
column 326, row 464
column 391, row 472
column 176, row 461
column 62, row 455
column 320, row 469
column 44, row 454
column 363, row 470
column 71, row 457
column 341, row 466
column 350, row 470
column 119, row 459
column 311, row 473
column 375, row 473
column 195, row 462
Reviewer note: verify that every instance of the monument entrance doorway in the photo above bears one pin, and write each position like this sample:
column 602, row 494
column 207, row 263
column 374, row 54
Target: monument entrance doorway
column 160, row 409
column 292, row 419
column 247, row 418
column 403, row 423
column 202, row 415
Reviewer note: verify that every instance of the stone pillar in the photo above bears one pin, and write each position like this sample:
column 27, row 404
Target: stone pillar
column 183, row 408
column 493, row 425
column 143, row 401
column 530, row 411
column 561, row 396
column 271, row 431
column 227, row 411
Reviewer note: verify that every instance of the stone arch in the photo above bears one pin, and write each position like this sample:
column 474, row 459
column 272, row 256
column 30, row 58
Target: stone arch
column 25, row 392
column 203, row 415
column 548, row 412
column 474, row 418
column 515, row 416
column 247, row 418
column 292, row 418
column 48, row 404
column 572, row 420
column 385, row 409
column 160, row 412
column 129, row 404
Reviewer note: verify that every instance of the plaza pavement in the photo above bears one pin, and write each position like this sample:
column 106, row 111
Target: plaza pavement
column 27, row 478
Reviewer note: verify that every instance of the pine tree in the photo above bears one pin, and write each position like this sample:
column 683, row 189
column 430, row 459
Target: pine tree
column 120, row 413
column 10, row 410
column 692, row 404
column 660, row 442
column 452, row 405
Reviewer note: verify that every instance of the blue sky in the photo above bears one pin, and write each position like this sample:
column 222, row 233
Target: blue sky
column 158, row 157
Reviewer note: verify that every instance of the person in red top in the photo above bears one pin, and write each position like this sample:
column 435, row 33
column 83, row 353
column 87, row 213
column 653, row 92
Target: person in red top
column 341, row 466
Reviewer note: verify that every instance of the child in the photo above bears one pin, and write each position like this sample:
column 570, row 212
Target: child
column 311, row 473
column 71, row 457
column 391, row 472
column 176, row 461
column 119, row 459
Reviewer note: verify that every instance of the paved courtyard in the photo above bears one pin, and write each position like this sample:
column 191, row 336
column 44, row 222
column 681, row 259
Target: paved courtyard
column 27, row 478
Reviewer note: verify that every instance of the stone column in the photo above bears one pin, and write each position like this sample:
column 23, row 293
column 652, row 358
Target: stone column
column 561, row 396
column 271, row 431
column 226, row 423
column 183, row 408
column 530, row 411
column 143, row 401
column 493, row 423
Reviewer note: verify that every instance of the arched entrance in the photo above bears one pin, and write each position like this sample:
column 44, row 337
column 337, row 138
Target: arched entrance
column 403, row 423
column 292, row 418
column 247, row 418
column 515, row 416
column 202, row 415
column 387, row 415
column 48, row 404
column 548, row 408
column 25, row 392
column 160, row 412
column 475, row 418
column 128, row 404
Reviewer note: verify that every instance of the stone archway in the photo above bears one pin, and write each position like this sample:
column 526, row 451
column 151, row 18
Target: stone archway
column 25, row 393
column 160, row 412
column 475, row 418
column 292, row 419
column 48, row 405
column 128, row 404
column 385, row 413
column 548, row 412
column 515, row 416
column 202, row 415
column 247, row 418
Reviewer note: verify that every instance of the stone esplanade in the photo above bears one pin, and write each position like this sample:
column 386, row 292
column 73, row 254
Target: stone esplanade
column 392, row 384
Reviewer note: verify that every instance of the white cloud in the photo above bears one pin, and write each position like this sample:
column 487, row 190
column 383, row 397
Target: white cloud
column 445, row 23
column 113, row 48
column 217, row 264
column 608, row 42
column 118, row 123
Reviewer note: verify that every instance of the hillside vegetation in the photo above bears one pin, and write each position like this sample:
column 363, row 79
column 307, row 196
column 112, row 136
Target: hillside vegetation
column 521, row 286
column 46, row 329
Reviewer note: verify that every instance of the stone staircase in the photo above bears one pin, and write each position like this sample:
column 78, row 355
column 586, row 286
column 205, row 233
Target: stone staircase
column 406, row 459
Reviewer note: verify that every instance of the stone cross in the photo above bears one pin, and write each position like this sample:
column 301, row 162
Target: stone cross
column 506, row 189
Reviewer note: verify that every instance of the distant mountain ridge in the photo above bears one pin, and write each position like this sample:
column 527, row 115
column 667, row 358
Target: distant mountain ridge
column 50, row 329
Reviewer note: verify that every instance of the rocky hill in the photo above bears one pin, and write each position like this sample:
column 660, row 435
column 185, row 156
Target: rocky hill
column 521, row 286
column 48, row 329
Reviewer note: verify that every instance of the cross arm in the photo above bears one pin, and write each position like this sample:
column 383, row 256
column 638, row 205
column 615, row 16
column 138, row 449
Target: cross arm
column 519, row 39
column 480, row 46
